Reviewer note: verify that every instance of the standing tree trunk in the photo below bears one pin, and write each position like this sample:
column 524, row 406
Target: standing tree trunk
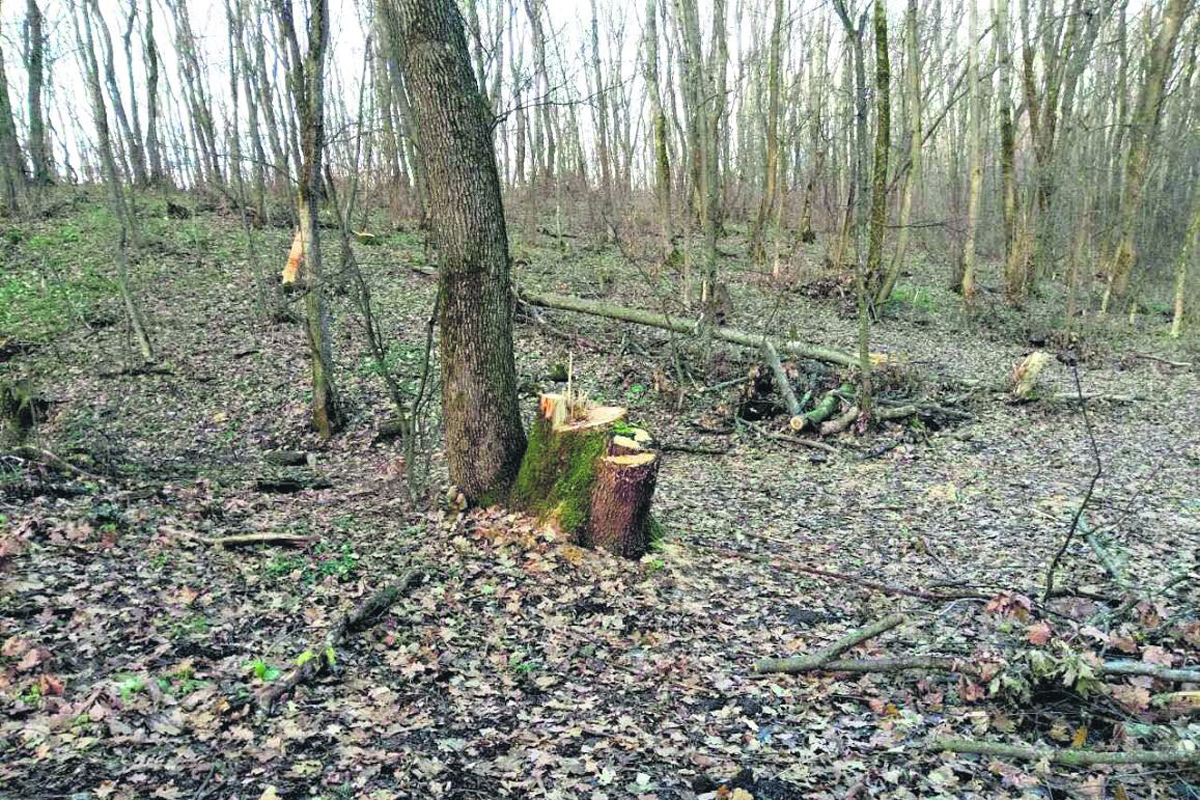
column 112, row 178
column 883, row 122
column 484, row 438
column 308, row 91
column 1141, row 141
column 913, row 57
column 153, row 146
column 974, row 131
column 601, row 122
column 12, row 162
column 662, row 160
column 771, row 168
column 1187, row 255
column 35, row 42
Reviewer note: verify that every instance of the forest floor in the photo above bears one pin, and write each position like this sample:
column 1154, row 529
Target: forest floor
column 522, row 666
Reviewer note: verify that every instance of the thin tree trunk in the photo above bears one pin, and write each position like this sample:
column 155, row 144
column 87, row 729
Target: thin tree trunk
column 39, row 156
column 1187, row 255
column 662, row 161
column 154, row 153
column 308, row 92
column 975, row 132
column 771, row 169
column 883, row 121
column 913, row 174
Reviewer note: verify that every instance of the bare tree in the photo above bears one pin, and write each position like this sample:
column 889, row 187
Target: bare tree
column 308, row 94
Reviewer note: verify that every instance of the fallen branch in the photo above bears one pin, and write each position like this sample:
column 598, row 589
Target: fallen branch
column 31, row 453
column 323, row 656
column 840, row 423
column 668, row 447
column 948, row 664
column 782, row 437
column 241, row 540
column 1071, row 758
column 1148, row 357
column 822, row 410
column 781, row 379
column 826, row 654
column 1106, row 559
column 639, row 316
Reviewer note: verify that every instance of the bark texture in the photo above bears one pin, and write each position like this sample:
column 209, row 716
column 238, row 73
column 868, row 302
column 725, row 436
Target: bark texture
column 484, row 437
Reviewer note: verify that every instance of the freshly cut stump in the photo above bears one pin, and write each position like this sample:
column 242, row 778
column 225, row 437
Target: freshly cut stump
column 621, row 503
column 573, row 475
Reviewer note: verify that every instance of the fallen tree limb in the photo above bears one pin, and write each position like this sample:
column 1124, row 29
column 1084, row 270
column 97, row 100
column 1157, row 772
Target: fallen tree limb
column 1106, row 559
column 782, row 384
column 1148, row 357
column 244, row 539
column 323, row 656
column 782, row 437
column 32, row 453
column 822, row 410
column 826, row 654
column 948, row 664
column 1071, row 758
column 639, row 316
column 668, row 447
column 839, row 424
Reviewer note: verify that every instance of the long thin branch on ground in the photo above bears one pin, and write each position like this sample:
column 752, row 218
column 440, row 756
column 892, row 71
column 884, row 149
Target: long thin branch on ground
column 32, row 453
column 1072, row 758
column 950, row 664
column 1087, row 423
column 783, row 437
column 243, row 539
column 826, row 654
column 323, row 656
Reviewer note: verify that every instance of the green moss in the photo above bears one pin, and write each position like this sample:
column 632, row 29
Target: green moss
column 556, row 476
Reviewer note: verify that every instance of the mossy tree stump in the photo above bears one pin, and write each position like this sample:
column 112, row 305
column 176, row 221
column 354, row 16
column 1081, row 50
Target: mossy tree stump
column 589, row 474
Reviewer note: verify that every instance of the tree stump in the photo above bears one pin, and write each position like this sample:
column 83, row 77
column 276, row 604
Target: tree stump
column 590, row 475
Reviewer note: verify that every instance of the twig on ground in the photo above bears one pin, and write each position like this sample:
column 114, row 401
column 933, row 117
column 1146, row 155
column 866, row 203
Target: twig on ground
column 1148, row 357
column 668, row 447
column 826, row 654
column 782, row 437
column 38, row 454
column 323, row 656
column 244, row 539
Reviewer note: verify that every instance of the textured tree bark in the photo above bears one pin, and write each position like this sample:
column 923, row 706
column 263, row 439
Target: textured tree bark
column 883, row 117
column 39, row 156
column 484, row 437
column 621, row 501
column 1187, row 254
column 154, row 159
column 12, row 162
column 913, row 173
column 975, row 132
column 771, row 167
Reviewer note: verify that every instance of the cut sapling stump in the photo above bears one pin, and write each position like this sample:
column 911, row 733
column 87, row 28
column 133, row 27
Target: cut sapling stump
column 589, row 474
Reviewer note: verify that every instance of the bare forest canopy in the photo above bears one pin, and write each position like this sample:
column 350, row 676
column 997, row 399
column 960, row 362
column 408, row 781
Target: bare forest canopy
column 1053, row 141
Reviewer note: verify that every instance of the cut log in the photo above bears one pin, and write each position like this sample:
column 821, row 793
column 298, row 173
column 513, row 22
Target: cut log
column 687, row 326
column 782, row 384
column 845, row 420
column 591, row 482
column 286, row 458
column 621, row 503
column 823, row 410
column 1025, row 374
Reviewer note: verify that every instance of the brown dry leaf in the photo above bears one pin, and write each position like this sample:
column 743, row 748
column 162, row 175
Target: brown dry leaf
column 269, row 793
column 1038, row 633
